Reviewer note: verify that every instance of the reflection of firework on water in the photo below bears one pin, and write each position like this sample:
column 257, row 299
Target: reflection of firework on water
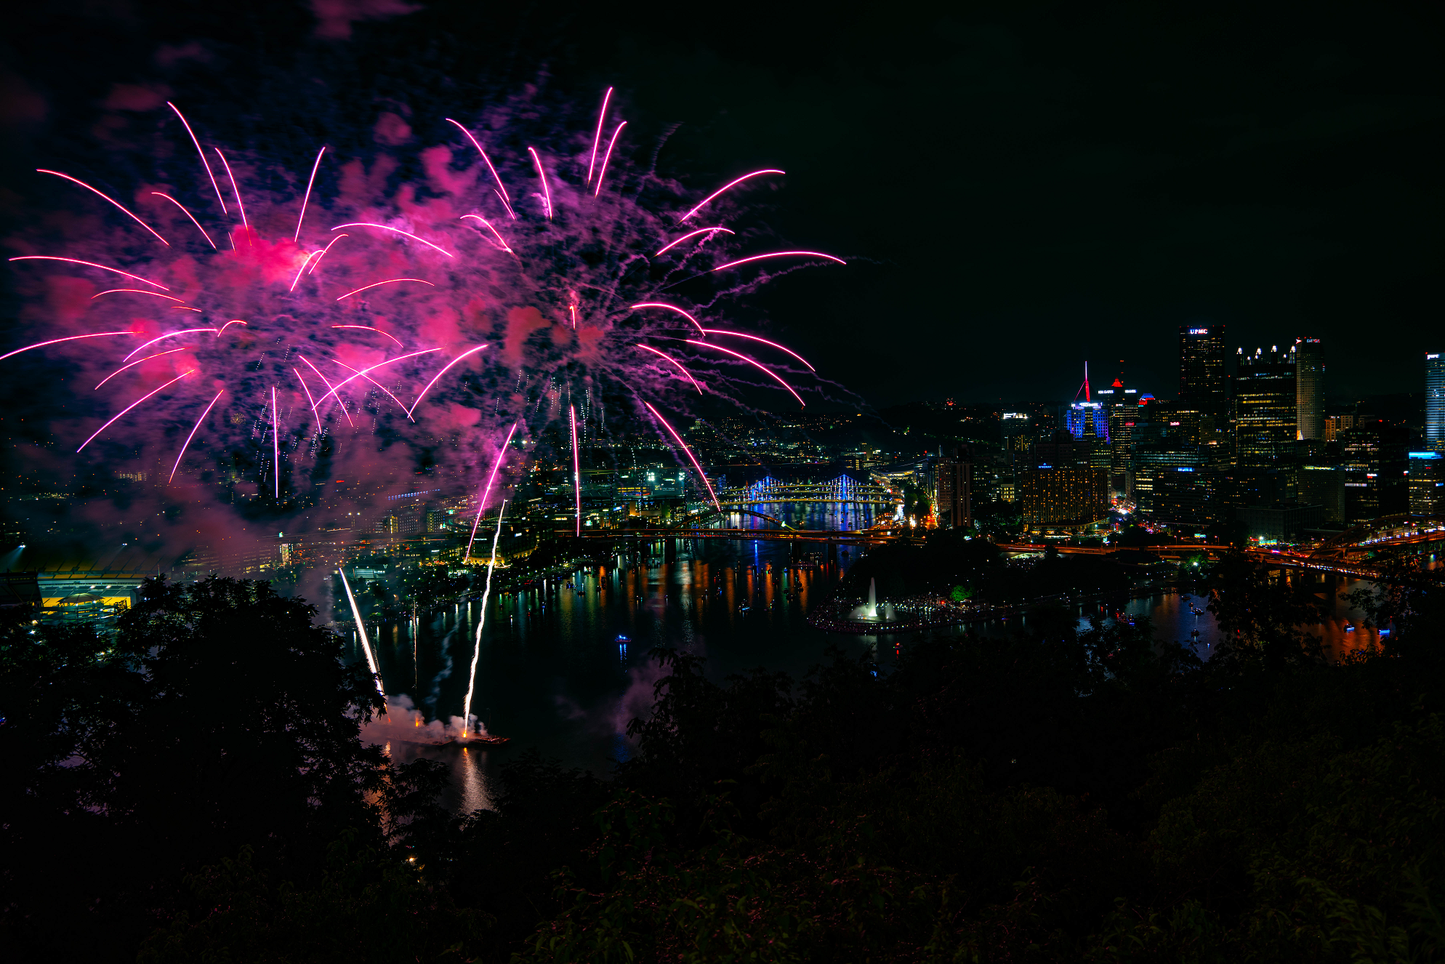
column 504, row 288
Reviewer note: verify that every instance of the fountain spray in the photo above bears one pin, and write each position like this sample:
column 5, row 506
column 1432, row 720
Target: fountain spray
column 481, row 621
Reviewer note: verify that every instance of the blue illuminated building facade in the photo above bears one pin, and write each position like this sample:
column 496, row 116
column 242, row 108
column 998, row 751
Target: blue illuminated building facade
column 1435, row 401
column 1090, row 418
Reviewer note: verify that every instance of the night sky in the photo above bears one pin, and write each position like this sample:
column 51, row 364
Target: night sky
column 1018, row 188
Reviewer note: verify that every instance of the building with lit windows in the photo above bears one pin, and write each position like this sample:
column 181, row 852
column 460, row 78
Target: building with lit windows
column 1153, row 461
column 1374, row 456
column 1265, row 425
column 1309, row 380
column 1177, row 496
column 1336, row 424
column 1052, row 496
column 952, row 478
column 1088, row 418
column 1435, row 401
column 1427, row 483
column 1202, row 376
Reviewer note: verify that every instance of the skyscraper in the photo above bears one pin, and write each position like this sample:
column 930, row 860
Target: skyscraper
column 1265, row 426
column 1309, row 382
column 953, row 477
column 1435, row 401
column 1201, row 370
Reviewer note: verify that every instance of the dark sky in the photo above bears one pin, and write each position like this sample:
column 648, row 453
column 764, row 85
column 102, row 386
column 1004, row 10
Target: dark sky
column 1018, row 187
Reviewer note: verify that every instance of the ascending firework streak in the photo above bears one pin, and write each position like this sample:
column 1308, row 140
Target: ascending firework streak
column 481, row 621
column 482, row 505
column 365, row 646
column 576, row 468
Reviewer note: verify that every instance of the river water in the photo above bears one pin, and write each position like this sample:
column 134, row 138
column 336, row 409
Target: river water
column 563, row 668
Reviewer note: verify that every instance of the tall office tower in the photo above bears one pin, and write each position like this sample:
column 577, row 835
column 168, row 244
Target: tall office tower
column 1427, row 483
column 1374, row 455
column 1265, row 426
column 952, row 479
column 1435, row 401
column 1309, row 382
column 1201, row 370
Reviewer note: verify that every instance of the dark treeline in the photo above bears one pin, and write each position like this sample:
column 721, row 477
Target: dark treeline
column 194, row 790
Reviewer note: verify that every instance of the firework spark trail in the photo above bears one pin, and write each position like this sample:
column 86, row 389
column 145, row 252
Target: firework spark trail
column 500, row 240
column 362, row 374
column 597, row 137
column 204, row 163
column 312, row 270
column 188, row 214
column 610, row 144
column 384, row 227
column 454, row 361
column 481, row 622
column 502, row 194
column 302, row 269
column 330, row 390
column 275, row 443
column 370, row 328
column 307, row 389
column 56, row 341
column 546, row 190
column 659, row 304
column 309, row 181
column 486, row 493
column 132, row 291
column 365, row 645
column 704, row 202
column 778, row 254
column 738, row 334
column 688, row 452
column 182, row 453
column 169, row 334
column 128, row 211
column 88, row 264
column 133, row 364
column 234, row 321
column 675, row 362
column 760, row 367
column 245, row 226
column 692, row 234
column 576, row 468
column 133, row 405
column 378, row 284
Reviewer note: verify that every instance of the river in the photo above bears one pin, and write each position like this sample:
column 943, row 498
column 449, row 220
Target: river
column 564, row 667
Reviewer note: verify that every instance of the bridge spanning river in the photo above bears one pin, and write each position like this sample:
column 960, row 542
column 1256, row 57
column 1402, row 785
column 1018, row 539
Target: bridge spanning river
column 841, row 491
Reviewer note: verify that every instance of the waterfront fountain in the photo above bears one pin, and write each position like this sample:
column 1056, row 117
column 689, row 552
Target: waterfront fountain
column 871, row 612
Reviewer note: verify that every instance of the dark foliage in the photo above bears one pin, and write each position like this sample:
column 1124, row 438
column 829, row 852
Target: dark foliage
column 1067, row 795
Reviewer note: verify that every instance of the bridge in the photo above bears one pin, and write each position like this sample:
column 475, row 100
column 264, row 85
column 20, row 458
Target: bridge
column 843, row 490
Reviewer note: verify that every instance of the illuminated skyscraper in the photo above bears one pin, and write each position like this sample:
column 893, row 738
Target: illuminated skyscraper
column 1265, row 426
column 1201, row 370
column 1435, row 401
column 1088, row 418
column 1309, row 382
column 1427, row 483
column 952, row 476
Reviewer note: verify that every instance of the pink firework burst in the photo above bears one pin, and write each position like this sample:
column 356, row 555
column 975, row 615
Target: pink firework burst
column 317, row 312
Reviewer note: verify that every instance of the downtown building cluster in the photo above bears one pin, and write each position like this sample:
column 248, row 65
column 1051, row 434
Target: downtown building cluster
column 1248, row 448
